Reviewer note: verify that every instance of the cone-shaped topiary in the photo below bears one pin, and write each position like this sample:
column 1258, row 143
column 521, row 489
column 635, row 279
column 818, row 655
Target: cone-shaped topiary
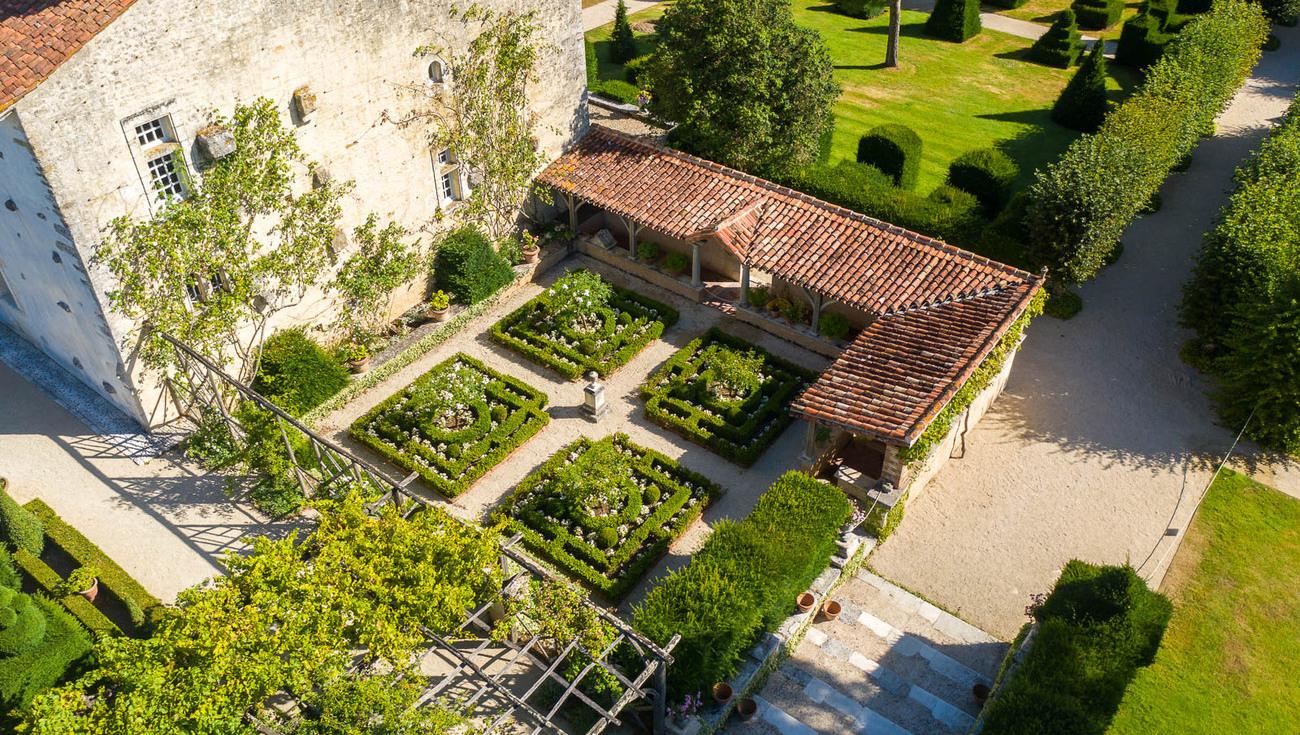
column 1082, row 104
column 1061, row 45
column 19, row 529
column 622, row 47
column 1095, row 15
column 22, row 626
column 954, row 20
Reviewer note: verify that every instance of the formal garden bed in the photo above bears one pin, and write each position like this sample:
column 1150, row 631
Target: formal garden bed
column 605, row 511
column 725, row 393
column 454, row 423
column 584, row 323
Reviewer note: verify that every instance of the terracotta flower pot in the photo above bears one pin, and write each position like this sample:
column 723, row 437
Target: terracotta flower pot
column 747, row 708
column 91, row 592
column 806, row 601
column 359, row 366
column 722, row 692
column 531, row 255
column 831, row 609
column 437, row 315
column 980, row 692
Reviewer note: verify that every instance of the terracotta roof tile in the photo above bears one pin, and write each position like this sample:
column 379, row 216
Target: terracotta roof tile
column 847, row 256
column 903, row 369
column 38, row 35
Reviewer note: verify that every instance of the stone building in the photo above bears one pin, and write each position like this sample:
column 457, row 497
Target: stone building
column 102, row 101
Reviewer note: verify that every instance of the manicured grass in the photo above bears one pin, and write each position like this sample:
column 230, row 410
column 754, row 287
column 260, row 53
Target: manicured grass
column 1227, row 663
column 1043, row 11
column 454, row 423
column 600, row 39
column 602, row 340
column 957, row 97
column 682, row 397
column 604, row 511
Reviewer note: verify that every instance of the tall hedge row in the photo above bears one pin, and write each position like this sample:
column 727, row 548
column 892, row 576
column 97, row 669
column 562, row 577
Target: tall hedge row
column 1096, row 628
column 743, row 581
column 1081, row 204
column 1243, row 300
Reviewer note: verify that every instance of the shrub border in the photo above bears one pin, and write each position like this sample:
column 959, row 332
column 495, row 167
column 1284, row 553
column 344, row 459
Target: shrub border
column 535, row 419
column 48, row 581
column 653, row 392
column 652, row 551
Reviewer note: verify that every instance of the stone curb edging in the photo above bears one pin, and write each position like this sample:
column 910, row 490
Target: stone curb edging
column 773, row 648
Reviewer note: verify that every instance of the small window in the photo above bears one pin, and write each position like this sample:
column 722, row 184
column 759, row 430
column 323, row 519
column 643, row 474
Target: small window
column 447, row 186
column 166, row 177
column 437, row 71
column 444, row 156
column 193, row 292
column 154, row 131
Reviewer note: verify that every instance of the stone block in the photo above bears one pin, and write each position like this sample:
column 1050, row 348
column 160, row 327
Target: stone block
column 215, row 142
column 304, row 102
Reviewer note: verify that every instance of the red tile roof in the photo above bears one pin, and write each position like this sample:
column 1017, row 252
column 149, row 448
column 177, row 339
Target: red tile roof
column 939, row 310
column 38, row 35
column 847, row 256
column 902, row 369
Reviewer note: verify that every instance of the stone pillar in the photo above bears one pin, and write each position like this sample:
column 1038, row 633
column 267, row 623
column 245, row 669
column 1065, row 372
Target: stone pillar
column 632, row 229
column 892, row 470
column 573, row 212
column 809, row 453
column 816, row 299
column 744, row 284
column 695, row 265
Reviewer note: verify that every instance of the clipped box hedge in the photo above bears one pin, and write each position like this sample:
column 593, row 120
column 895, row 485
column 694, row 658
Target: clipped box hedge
column 677, row 397
column 743, row 581
column 630, row 322
column 894, row 149
column 28, row 673
column 1094, row 15
column 79, row 607
column 143, row 607
column 986, row 173
column 654, row 503
column 507, row 413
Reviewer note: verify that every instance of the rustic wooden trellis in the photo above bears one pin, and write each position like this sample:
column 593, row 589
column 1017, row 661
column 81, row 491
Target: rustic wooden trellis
column 201, row 386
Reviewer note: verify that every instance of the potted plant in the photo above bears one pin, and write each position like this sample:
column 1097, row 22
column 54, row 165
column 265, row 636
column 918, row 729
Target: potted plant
column 676, row 263
column 439, row 305
column 831, row 610
column 806, row 601
column 83, row 581
column 747, row 708
column 777, row 305
column 722, row 692
column 529, row 247
column 356, row 355
column 647, row 252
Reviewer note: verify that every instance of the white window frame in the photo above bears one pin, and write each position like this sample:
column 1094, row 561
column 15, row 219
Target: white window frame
column 166, row 176
column 151, row 138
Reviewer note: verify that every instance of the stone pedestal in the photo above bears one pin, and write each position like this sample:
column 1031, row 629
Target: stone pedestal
column 594, row 397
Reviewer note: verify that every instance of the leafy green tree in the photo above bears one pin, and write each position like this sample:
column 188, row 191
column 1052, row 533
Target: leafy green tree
column 384, row 262
column 485, row 120
column 747, row 86
column 1082, row 104
column 244, row 242
column 622, row 45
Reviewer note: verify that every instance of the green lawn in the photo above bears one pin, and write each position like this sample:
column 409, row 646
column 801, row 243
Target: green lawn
column 1228, row 660
column 957, row 97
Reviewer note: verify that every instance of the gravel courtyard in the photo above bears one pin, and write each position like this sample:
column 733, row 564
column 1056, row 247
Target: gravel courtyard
column 1104, row 438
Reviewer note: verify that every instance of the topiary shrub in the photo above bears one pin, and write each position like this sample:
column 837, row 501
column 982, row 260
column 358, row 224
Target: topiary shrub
column 1061, row 45
column 986, row 173
column 469, row 268
column 1094, row 15
column 954, row 20
column 8, row 571
column 634, row 69
column 62, row 643
column 22, row 626
column 894, row 149
column 297, row 374
column 676, row 263
column 862, row 8
column 1083, row 104
column 622, row 44
column 1008, row 4
column 1142, row 40
column 19, row 529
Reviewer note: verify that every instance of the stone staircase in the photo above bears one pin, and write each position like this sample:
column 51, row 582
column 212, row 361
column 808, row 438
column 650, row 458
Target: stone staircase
column 891, row 664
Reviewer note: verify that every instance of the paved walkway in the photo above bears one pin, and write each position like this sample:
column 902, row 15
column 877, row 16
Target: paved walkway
column 891, row 663
column 1104, row 438
column 568, row 421
column 162, row 520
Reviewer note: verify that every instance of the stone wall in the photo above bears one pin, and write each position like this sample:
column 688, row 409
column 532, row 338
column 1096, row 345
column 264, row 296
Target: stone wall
column 47, row 295
column 185, row 60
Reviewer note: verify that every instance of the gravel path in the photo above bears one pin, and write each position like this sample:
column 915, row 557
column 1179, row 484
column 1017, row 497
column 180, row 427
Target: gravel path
column 1103, row 439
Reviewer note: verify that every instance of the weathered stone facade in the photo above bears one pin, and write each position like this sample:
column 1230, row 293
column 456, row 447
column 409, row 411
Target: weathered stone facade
column 181, row 62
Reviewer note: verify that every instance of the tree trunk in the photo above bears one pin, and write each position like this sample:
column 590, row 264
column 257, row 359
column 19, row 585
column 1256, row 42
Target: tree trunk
column 895, row 30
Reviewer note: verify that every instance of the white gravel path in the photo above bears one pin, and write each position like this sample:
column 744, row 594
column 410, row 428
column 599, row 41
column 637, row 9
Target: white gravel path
column 1103, row 439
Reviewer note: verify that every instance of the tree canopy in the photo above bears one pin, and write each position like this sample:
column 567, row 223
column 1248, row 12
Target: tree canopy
column 747, row 86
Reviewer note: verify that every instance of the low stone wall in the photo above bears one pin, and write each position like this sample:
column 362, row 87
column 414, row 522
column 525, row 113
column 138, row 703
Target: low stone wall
column 617, row 258
column 801, row 337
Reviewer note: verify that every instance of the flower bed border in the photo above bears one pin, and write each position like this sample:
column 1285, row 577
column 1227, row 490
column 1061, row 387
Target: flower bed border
column 533, row 422
column 502, row 334
column 653, row 545
column 655, row 393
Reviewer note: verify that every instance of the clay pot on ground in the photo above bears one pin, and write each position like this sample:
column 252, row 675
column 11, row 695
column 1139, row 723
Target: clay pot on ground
column 531, row 254
column 359, row 366
column 806, row 601
column 980, row 692
column 831, row 609
column 747, row 708
column 722, row 692
column 91, row 592
column 437, row 315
